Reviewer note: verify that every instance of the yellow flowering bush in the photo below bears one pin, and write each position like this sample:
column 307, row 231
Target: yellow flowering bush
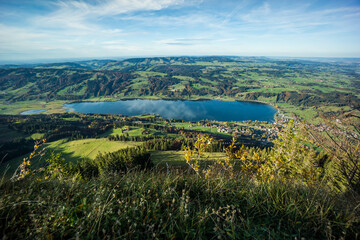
column 24, row 168
column 56, row 168
column 195, row 155
column 289, row 159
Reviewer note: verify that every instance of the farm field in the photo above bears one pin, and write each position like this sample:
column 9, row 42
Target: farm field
column 87, row 148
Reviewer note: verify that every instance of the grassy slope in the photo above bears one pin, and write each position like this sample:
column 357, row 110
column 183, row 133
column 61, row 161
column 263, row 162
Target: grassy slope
column 176, row 158
column 87, row 148
column 155, row 205
column 135, row 131
column 72, row 151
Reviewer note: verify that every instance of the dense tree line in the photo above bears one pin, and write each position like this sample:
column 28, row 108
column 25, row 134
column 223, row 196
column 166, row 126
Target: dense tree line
column 194, row 71
column 15, row 148
column 116, row 162
column 165, row 144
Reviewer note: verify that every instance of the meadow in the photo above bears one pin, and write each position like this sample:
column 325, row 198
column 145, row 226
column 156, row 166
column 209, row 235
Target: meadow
column 141, row 205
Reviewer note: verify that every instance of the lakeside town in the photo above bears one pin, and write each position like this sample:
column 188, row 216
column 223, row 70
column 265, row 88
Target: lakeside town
column 260, row 132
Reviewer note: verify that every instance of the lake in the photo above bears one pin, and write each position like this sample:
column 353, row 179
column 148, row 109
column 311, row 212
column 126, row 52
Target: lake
column 29, row 112
column 186, row 110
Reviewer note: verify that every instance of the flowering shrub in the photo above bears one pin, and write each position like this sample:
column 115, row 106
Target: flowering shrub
column 57, row 168
column 289, row 159
column 195, row 155
column 24, row 168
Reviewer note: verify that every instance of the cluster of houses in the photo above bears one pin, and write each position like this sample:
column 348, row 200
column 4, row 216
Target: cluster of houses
column 335, row 131
column 282, row 119
column 258, row 130
column 222, row 129
column 262, row 133
column 321, row 127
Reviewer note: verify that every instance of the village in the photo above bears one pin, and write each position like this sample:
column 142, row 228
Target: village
column 264, row 132
column 261, row 132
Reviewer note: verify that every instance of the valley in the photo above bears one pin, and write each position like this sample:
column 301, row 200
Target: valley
column 295, row 161
column 180, row 119
column 303, row 88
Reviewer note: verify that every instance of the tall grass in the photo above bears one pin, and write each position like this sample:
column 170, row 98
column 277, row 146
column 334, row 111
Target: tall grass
column 148, row 205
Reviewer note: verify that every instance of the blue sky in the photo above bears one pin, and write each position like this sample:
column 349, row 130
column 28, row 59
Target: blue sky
column 53, row 29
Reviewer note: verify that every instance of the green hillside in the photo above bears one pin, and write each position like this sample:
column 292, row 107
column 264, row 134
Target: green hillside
column 296, row 86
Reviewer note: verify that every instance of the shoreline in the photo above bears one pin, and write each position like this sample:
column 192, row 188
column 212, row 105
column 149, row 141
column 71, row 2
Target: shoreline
column 60, row 108
column 169, row 99
column 78, row 106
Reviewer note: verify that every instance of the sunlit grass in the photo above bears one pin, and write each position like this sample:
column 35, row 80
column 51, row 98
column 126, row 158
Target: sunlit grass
column 87, row 148
column 150, row 205
column 176, row 158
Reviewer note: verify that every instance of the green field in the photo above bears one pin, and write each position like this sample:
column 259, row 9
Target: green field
column 78, row 150
column 72, row 151
column 87, row 148
column 21, row 106
column 176, row 158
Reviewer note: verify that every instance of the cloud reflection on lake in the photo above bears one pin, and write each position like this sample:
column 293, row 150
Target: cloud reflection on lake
column 166, row 109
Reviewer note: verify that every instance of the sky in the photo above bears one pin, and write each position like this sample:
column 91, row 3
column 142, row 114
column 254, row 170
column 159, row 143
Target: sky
column 67, row 29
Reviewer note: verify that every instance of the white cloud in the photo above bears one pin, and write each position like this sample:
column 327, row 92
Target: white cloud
column 78, row 14
column 299, row 19
column 136, row 27
column 114, row 7
column 184, row 41
column 122, row 47
column 16, row 39
column 79, row 19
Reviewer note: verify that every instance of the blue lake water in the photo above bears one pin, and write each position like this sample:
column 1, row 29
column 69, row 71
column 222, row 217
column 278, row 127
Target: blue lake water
column 28, row 112
column 186, row 110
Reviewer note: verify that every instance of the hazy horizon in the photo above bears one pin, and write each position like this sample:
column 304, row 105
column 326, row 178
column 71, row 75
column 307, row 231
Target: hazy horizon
column 50, row 30
column 64, row 60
